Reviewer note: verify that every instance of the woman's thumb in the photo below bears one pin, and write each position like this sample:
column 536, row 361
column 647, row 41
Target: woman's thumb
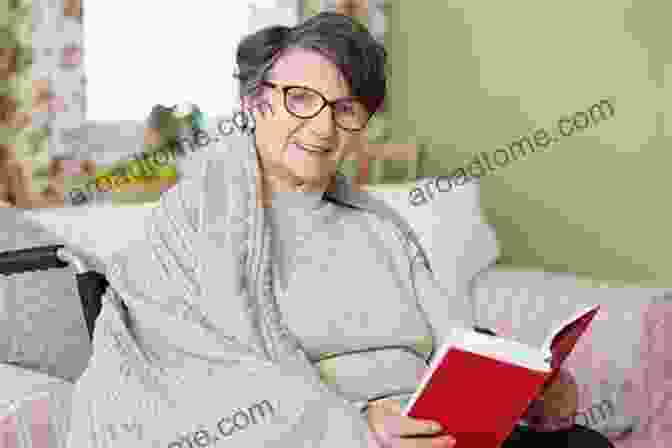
column 388, row 431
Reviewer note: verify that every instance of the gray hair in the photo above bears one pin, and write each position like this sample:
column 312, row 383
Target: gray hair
column 343, row 40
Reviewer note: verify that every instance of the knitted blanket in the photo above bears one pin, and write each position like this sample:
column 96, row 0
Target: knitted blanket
column 190, row 348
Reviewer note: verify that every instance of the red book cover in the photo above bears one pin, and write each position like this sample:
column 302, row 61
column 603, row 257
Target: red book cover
column 479, row 386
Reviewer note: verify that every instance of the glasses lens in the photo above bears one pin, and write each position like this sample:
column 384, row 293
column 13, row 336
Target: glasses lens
column 351, row 114
column 303, row 102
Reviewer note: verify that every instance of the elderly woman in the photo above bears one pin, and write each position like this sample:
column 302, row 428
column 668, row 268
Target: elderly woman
column 242, row 320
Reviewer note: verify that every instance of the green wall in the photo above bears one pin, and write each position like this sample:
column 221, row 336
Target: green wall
column 311, row 7
column 475, row 75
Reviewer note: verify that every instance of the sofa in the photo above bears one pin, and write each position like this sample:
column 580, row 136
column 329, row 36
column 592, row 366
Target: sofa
column 622, row 366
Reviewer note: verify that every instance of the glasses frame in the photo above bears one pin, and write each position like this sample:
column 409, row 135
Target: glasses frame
column 325, row 102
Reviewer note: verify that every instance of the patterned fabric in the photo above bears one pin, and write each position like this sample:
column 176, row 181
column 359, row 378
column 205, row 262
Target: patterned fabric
column 619, row 363
column 42, row 84
column 40, row 419
column 41, row 323
column 656, row 357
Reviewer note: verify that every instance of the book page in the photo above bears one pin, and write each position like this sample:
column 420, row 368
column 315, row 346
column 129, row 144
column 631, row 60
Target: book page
column 562, row 341
column 501, row 349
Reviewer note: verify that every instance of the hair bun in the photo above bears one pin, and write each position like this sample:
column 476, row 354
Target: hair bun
column 261, row 46
column 277, row 35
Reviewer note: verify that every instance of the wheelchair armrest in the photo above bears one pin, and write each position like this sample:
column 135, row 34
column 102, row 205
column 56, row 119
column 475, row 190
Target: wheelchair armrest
column 38, row 258
column 91, row 285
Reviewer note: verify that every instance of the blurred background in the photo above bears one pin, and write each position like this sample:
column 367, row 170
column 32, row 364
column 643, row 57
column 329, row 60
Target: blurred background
column 466, row 76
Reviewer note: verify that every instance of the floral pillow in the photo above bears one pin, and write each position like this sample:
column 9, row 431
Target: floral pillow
column 620, row 364
column 34, row 409
column 38, row 420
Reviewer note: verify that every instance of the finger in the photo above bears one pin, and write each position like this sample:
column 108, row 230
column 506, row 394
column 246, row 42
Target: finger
column 434, row 442
column 397, row 424
column 389, row 404
column 400, row 426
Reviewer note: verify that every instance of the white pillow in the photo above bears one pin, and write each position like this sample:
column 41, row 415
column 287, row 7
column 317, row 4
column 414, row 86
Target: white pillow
column 451, row 227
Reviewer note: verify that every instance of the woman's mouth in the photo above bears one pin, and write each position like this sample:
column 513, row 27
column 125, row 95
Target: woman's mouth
column 312, row 149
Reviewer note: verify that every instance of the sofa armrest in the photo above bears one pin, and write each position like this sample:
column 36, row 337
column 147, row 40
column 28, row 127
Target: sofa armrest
column 620, row 363
column 527, row 304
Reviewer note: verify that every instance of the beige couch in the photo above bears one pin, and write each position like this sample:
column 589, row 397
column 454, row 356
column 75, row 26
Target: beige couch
column 620, row 366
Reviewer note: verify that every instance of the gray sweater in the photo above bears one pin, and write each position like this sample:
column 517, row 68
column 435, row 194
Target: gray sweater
column 344, row 284
column 202, row 338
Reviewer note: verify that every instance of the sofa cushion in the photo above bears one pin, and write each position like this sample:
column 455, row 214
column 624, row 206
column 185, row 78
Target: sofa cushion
column 451, row 227
column 610, row 360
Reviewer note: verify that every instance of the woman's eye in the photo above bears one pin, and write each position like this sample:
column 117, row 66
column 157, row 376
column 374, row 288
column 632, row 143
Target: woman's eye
column 301, row 98
column 346, row 109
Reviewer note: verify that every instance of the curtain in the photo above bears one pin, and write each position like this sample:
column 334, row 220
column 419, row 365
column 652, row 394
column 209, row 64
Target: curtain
column 42, row 83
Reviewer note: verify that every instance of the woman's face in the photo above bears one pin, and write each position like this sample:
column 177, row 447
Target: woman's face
column 302, row 151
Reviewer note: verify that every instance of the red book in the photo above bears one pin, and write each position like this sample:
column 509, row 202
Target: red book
column 479, row 386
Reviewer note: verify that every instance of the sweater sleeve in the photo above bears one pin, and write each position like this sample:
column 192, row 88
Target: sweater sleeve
column 444, row 309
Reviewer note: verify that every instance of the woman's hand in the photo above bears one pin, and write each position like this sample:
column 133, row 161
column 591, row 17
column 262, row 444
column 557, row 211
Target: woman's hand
column 557, row 405
column 393, row 430
column 561, row 397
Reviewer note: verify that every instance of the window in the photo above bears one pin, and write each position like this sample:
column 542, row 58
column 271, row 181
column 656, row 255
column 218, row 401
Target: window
column 143, row 53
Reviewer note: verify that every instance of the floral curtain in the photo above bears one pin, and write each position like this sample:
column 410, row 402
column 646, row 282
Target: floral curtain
column 42, row 82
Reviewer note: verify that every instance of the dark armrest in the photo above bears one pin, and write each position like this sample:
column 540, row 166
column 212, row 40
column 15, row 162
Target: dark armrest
column 485, row 331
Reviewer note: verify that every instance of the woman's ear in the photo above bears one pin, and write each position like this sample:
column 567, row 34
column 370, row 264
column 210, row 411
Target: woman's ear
column 245, row 103
column 258, row 104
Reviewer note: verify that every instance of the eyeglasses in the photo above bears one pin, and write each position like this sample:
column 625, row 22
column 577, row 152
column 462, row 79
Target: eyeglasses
column 350, row 113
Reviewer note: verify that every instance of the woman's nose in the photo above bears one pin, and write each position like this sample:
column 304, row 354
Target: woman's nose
column 323, row 123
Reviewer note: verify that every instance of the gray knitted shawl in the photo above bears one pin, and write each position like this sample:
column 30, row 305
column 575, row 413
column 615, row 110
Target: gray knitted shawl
column 190, row 348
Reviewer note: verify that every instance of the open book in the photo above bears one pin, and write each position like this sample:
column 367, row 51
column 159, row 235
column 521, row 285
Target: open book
column 478, row 386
